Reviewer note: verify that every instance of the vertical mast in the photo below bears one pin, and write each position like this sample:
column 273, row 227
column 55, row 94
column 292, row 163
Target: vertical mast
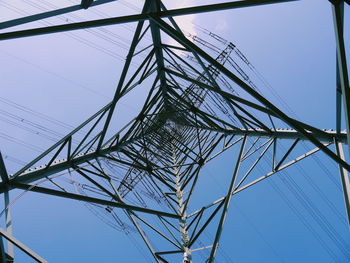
column 181, row 209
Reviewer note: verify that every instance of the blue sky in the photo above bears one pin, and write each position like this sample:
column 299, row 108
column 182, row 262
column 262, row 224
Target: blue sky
column 60, row 75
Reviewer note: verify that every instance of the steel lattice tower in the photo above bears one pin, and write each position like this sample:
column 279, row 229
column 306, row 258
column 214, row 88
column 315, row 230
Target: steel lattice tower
column 176, row 133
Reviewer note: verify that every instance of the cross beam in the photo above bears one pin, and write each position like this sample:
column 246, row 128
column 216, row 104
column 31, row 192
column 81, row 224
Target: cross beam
column 64, row 164
column 43, row 190
column 136, row 18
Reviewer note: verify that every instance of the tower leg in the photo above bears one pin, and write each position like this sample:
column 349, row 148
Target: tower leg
column 2, row 251
column 8, row 223
column 187, row 258
column 344, row 176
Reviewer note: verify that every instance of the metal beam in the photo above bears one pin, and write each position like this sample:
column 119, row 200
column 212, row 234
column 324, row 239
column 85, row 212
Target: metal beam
column 2, row 251
column 143, row 236
column 3, row 171
column 43, row 190
column 187, row 258
column 34, row 174
column 338, row 99
column 86, row 3
column 342, row 69
column 135, row 18
column 63, row 140
column 185, row 42
column 255, row 106
column 344, row 176
column 22, row 247
column 219, row 7
column 157, row 43
column 64, row 164
column 287, row 134
column 117, row 94
column 132, row 217
column 8, row 222
column 56, row 12
column 226, row 204
column 248, row 185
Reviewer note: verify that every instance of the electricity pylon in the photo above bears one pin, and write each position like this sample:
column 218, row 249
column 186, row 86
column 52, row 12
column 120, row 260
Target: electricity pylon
column 195, row 110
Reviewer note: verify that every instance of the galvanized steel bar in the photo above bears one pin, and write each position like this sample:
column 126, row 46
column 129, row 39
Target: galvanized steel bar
column 226, row 204
column 185, row 42
column 56, row 12
column 22, row 247
column 135, row 18
column 344, row 176
column 43, row 190
column 338, row 17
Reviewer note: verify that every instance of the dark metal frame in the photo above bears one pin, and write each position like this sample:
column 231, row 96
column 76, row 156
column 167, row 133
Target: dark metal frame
column 168, row 149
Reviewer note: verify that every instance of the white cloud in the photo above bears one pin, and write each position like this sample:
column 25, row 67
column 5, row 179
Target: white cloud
column 221, row 25
column 184, row 22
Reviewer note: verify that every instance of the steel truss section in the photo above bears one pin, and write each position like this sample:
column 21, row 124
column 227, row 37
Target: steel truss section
column 164, row 149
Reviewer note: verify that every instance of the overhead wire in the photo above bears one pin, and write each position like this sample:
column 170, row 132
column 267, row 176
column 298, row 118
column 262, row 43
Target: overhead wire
column 30, row 123
column 317, row 216
column 74, row 17
column 334, row 239
column 322, row 195
column 323, row 221
column 14, row 159
column 301, row 195
column 21, row 142
column 19, row 196
column 76, row 36
column 21, row 12
column 310, row 209
column 249, row 222
column 70, row 34
column 244, row 58
column 36, row 113
column 308, row 204
column 304, row 221
column 280, row 99
column 42, row 135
